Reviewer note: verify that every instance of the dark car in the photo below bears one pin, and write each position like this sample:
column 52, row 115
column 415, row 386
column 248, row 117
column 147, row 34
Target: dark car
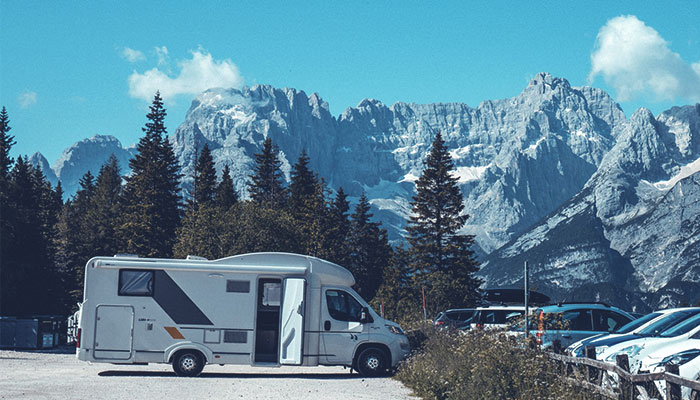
column 458, row 318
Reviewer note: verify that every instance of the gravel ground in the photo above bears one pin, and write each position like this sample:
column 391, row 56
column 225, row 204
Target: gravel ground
column 40, row 375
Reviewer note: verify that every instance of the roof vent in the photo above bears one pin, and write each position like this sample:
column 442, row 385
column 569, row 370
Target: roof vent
column 198, row 258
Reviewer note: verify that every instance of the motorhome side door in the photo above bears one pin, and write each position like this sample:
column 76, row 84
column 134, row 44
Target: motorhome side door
column 292, row 321
column 114, row 327
column 341, row 329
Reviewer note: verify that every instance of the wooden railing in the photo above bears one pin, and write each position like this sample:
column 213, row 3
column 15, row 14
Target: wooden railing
column 597, row 376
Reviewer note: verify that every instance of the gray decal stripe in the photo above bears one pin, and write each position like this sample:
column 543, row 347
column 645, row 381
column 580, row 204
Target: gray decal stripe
column 176, row 303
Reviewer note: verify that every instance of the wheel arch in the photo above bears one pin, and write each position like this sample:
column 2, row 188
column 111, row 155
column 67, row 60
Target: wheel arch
column 174, row 349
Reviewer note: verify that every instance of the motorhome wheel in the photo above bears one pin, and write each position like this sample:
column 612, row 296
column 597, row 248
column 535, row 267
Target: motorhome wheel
column 372, row 362
column 188, row 363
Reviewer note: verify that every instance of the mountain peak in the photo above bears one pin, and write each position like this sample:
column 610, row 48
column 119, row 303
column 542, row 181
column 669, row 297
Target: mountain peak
column 369, row 102
column 546, row 80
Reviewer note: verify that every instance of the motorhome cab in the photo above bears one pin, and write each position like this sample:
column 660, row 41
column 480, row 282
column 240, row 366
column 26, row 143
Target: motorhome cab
column 266, row 309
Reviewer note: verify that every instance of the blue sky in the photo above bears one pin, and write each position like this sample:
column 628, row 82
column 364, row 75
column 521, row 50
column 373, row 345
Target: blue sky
column 69, row 70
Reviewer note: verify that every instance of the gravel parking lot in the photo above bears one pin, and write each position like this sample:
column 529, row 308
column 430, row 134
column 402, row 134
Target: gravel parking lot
column 35, row 375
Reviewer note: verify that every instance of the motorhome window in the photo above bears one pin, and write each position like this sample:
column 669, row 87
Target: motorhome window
column 272, row 292
column 235, row 336
column 135, row 283
column 342, row 306
column 238, row 286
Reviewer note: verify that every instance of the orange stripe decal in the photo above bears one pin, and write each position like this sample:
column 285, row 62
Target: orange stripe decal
column 174, row 333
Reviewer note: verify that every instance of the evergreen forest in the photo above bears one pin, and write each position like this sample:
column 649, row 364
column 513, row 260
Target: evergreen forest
column 45, row 241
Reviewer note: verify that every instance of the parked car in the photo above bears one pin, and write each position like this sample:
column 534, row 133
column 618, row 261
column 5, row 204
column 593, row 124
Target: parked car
column 639, row 349
column 648, row 325
column 496, row 316
column 571, row 322
column 686, row 357
column 458, row 318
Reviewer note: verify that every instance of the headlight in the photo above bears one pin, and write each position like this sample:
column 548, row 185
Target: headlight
column 680, row 358
column 395, row 329
column 631, row 351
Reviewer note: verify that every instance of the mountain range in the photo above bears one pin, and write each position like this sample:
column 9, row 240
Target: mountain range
column 602, row 206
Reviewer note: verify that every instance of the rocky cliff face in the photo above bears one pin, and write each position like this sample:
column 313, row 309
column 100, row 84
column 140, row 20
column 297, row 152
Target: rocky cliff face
column 517, row 159
column 601, row 206
column 38, row 160
column 83, row 156
column 640, row 211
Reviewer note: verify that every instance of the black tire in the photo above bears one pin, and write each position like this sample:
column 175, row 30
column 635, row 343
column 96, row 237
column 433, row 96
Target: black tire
column 372, row 361
column 188, row 363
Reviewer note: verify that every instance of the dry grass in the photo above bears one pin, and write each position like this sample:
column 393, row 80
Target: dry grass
column 481, row 365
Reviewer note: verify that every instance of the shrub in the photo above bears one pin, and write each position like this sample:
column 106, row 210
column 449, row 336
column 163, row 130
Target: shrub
column 481, row 365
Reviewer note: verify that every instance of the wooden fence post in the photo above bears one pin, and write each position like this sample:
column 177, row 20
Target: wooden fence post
column 590, row 353
column 626, row 388
column 673, row 391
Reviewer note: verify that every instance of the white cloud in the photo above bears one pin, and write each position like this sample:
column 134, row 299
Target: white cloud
column 634, row 59
column 162, row 53
column 132, row 55
column 197, row 74
column 27, row 99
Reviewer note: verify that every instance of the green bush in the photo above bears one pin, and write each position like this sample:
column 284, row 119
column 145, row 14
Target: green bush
column 481, row 365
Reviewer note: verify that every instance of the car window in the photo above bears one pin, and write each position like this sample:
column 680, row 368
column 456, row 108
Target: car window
column 577, row 320
column 666, row 322
column 342, row 306
column 683, row 327
column 454, row 315
column 634, row 324
column 497, row 316
column 465, row 315
column 608, row 321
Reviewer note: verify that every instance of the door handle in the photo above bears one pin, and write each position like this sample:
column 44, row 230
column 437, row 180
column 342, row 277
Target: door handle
column 327, row 325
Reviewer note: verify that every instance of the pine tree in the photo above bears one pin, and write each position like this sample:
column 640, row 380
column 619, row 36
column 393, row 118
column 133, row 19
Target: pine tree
column 225, row 195
column 303, row 184
column 259, row 228
column 204, row 178
column 151, row 197
column 266, row 186
column 370, row 251
column 7, row 213
column 103, row 212
column 207, row 231
column 6, row 143
column 338, row 229
column 400, row 298
column 27, row 280
column 307, row 206
column 441, row 258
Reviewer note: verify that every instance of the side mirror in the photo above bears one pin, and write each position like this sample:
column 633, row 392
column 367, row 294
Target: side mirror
column 365, row 316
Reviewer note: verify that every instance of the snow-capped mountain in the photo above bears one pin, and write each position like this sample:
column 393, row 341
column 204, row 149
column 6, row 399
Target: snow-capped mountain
column 83, row 156
column 634, row 226
column 38, row 160
column 601, row 206
column 517, row 159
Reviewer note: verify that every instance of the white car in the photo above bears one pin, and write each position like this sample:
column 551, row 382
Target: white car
column 685, row 356
column 646, row 325
column 496, row 317
column 639, row 349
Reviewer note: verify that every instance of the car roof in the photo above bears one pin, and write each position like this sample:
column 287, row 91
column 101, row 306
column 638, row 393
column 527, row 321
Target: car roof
column 500, row 307
column 574, row 306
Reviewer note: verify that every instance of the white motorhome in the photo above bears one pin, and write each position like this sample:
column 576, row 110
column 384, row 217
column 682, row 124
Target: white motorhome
column 263, row 309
